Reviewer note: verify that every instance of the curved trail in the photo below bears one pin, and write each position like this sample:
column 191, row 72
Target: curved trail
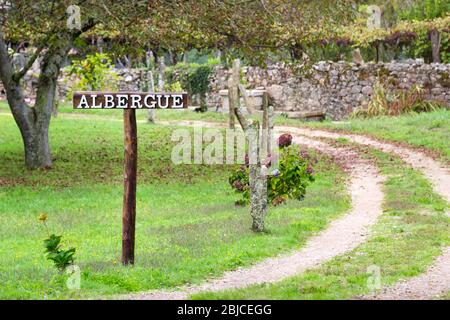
column 436, row 280
column 438, row 175
column 342, row 235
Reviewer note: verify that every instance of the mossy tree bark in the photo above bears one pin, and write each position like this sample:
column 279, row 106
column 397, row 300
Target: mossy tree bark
column 34, row 121
column 257, row 179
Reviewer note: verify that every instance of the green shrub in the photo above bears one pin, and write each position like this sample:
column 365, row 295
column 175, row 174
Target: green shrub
column 173, row 87
column 193, row 77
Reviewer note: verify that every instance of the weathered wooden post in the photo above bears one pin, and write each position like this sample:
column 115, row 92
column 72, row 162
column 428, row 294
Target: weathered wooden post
column 151, row 88
column 129, row 102
column 130, row 180
column 235, row 77
column 270, row 130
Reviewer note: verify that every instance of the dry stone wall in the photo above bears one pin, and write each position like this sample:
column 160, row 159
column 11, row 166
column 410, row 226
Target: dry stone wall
column 335, row 88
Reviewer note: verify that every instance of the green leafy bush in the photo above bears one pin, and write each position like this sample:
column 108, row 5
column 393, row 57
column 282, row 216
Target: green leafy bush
column 193, row 77
column 427, row 10
column 289, row 181
column 173, row 87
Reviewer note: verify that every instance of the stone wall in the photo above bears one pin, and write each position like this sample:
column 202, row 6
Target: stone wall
column 336, row 88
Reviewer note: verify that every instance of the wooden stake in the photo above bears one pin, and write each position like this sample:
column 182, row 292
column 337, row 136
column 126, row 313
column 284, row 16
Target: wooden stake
column 233, row 95
column 151, row 88
column 435, row 37
column 233, row 87
column 265, row 128
column 270, row 130
column 130, row 177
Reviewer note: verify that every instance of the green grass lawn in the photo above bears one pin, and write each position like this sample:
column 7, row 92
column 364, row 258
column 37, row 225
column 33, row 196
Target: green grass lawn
column 188, row 228
column 412, row 230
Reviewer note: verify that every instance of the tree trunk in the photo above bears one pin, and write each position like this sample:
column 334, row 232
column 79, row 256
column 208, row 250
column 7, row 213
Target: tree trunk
column 33, row 122
column 258, row 201
column 258, row 173
column 37, row 149
column 233, row 96
column 435, row 37
column 161, row 73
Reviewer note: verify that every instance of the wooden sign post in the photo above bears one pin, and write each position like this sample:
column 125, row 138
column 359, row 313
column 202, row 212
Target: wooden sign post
column 129, row 102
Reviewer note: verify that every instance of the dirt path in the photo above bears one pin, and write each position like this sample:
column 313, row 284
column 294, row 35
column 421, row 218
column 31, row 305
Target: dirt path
column 342, row 235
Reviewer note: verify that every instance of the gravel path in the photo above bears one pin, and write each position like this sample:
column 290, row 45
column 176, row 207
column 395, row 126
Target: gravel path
column 342, row 235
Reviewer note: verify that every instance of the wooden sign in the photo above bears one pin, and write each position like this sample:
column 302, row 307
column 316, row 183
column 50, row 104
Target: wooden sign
column 127, row 100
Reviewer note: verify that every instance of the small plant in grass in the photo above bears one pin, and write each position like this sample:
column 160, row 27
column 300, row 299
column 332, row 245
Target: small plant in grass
column 289, row 181
column 61, row 258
